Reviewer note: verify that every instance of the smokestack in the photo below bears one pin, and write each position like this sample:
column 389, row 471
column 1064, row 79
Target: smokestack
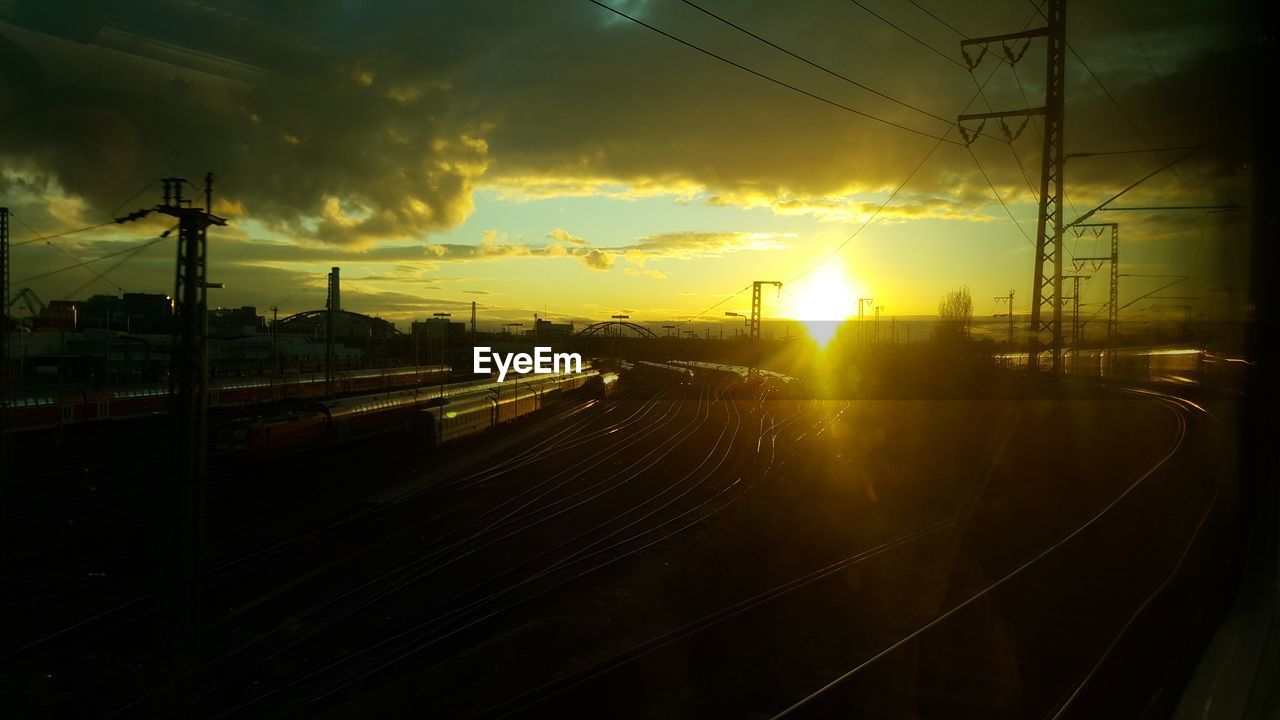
column 334, row 302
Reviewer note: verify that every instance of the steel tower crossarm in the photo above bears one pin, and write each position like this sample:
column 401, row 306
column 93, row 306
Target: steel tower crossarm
column 1046, row 286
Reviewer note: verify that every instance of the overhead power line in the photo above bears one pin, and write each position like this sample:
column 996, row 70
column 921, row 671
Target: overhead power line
column 125, row 258
column 52, row 236
column 981, row 86
column 100, row 258
column 763, row 76
column 999, row 199
column 907, row 33
column 1120, row 108
column 817, row 65
column 45, row 240
column 929, row 12
column 1129, row 187
column 305, row 288
column 714, row 305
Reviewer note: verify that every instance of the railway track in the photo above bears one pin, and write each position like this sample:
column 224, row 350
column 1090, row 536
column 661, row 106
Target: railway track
column 126, row 610
column 618, row 675
column 447, row 560
column 532, row 516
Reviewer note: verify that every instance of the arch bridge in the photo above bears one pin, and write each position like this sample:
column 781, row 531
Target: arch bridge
column 616, row 328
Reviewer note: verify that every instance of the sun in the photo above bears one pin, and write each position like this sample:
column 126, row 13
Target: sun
column 821, row 301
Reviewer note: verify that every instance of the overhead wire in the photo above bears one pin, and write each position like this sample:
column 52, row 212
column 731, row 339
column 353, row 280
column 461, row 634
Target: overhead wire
column 929, row 12
column 125, row 258
column 85, row 263
column 817, row 65
column 900, row 186
column 1012, row 151
column 1142, row 137
column 907, row 33
column 763, row 76
column 714, row 305
column 51, row 236
column 999, row 199
column 64, row 251
column 299, row 292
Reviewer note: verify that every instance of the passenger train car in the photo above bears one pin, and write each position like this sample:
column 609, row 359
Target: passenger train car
column 1163, row 365
column 68, row 407
column 425, row 415
column 645, row 370
column 729, row 375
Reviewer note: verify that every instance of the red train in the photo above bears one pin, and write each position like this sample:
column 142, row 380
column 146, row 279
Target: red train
column 68, row 407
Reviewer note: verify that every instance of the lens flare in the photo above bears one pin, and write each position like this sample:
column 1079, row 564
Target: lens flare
column 822, row 301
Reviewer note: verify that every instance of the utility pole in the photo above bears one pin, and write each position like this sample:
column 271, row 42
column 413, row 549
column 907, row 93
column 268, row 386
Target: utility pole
column 1046, row 286
column 444, row 334
column 617, row 329
column 275, row 358
column 188, row 384
column 1113, row 297
column 1076, row 327
column 875, row 326
column 1007, row 299
column 1076, row 334
column 473, row 319
column 5, row 391
column 332, row 305
column 754, row 321
column 863, row 304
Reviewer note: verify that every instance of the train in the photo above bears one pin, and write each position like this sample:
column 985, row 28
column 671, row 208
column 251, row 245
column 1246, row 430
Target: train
column 426, row 416
column 53, row 408
column 663, row 372
column 1161, row 365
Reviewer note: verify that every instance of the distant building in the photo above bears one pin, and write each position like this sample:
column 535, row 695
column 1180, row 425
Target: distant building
column 436, row 327
column 547, row 330
column 145, row 313
column 236, row 322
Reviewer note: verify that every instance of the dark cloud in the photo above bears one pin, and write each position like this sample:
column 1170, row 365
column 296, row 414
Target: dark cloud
column 347, row 123
column 340, row 124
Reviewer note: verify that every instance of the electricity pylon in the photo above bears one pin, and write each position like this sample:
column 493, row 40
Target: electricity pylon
column 863, row 304
column 1007, row 299
column 1046, row 286
column 188, row 382
column 1113, row 297
column 4, row 341
column 754, row 322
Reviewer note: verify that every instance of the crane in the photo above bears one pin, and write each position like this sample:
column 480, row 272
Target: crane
column 35, row 307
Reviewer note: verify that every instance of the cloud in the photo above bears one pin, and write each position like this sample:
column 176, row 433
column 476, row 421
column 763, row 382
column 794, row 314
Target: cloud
column 359, row 133
column 598, row 259
column 564, row 236
column 354, row 125
column 655, row 274
column 684, row 245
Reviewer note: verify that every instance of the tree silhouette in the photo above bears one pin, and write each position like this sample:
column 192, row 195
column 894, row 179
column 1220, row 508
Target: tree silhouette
column 955, row 313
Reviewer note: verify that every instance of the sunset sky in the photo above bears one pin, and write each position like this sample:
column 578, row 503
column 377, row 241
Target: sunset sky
column 553, row 156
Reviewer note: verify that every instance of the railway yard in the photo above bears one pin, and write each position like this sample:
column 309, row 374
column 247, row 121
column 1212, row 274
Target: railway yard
column 687, row 544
